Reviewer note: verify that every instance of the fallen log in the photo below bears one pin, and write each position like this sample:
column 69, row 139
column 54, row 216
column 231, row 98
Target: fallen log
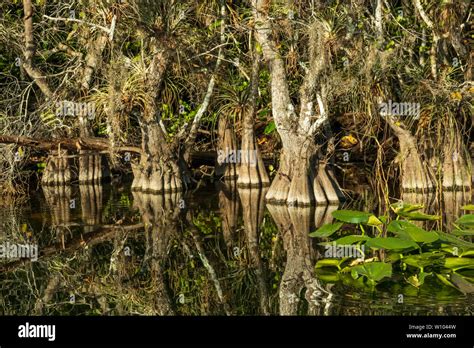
column 72, row 144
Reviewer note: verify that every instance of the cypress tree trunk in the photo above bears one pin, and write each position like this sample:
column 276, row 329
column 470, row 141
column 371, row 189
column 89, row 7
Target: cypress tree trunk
column 302, row 179
column 251, row 170
column 158, row 169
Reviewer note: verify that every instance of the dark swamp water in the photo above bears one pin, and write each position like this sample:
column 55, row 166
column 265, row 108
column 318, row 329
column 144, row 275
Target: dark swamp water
column 219, row 250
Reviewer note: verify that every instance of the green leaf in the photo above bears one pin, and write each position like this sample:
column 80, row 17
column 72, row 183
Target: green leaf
column 398, row 227
column 405, row 207
column 456, row 263
column 330, row 263
column 270, row 128
column 374, row 271
column 463, row 232
column 407, row 230
column 467, row 219
column 468, row 207
column 326, row 230
column 373, row 221
column 351, row 216
column 454, row 240
column 418, row 280
column 425, row 259
column 263, row 113
column 390, row 243
column 328, row 277
column 417, row 216
column 445, row 281
column 354, row 238
column 422, row 236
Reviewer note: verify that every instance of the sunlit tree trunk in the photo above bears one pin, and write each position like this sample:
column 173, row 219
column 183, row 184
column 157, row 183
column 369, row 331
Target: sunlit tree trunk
column 251, row 170
column 302, row 178
column 158, row 170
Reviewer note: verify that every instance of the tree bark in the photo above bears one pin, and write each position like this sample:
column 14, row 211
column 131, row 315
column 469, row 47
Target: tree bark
column 251, row 170
column 299, row 179
column 457, row 175
column 30, row 50
column 227, row 150
column 158, row 170
column 415, row 175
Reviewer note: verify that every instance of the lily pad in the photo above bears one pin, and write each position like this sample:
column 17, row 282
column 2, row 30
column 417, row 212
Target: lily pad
column 354, row 238
column 405, row 207
column 467, row 220
column 454, row 240
column 374, row 271
column 418, row 216
column 456, row 263
column 351, row 216
column 326, row 230
column 407, row 230
column 425, row 259
column 390, row 243
column 330, row 263
column 418, row 280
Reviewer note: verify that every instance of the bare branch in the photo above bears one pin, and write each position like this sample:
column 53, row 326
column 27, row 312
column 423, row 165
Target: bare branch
column 29, row 51
column 95, row 26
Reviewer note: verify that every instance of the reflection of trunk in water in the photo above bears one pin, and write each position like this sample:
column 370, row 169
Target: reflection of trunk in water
column 160, row 214
column 452, row 203
column 294, row 224
column 253, row 209
column 49, row 291
column 449, row 209
column 207, row 264
column 59, row 201
column 91, row 205
column 229, row 210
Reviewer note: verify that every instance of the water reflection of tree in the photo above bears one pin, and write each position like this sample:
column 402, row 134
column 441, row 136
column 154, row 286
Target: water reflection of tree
column 91, row 205
column 160, row 215
column 229, row 210
column 294, row 224
column 253, row 213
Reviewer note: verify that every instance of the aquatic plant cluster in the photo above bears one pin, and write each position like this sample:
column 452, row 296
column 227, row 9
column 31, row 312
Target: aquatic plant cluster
column 401, row 248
